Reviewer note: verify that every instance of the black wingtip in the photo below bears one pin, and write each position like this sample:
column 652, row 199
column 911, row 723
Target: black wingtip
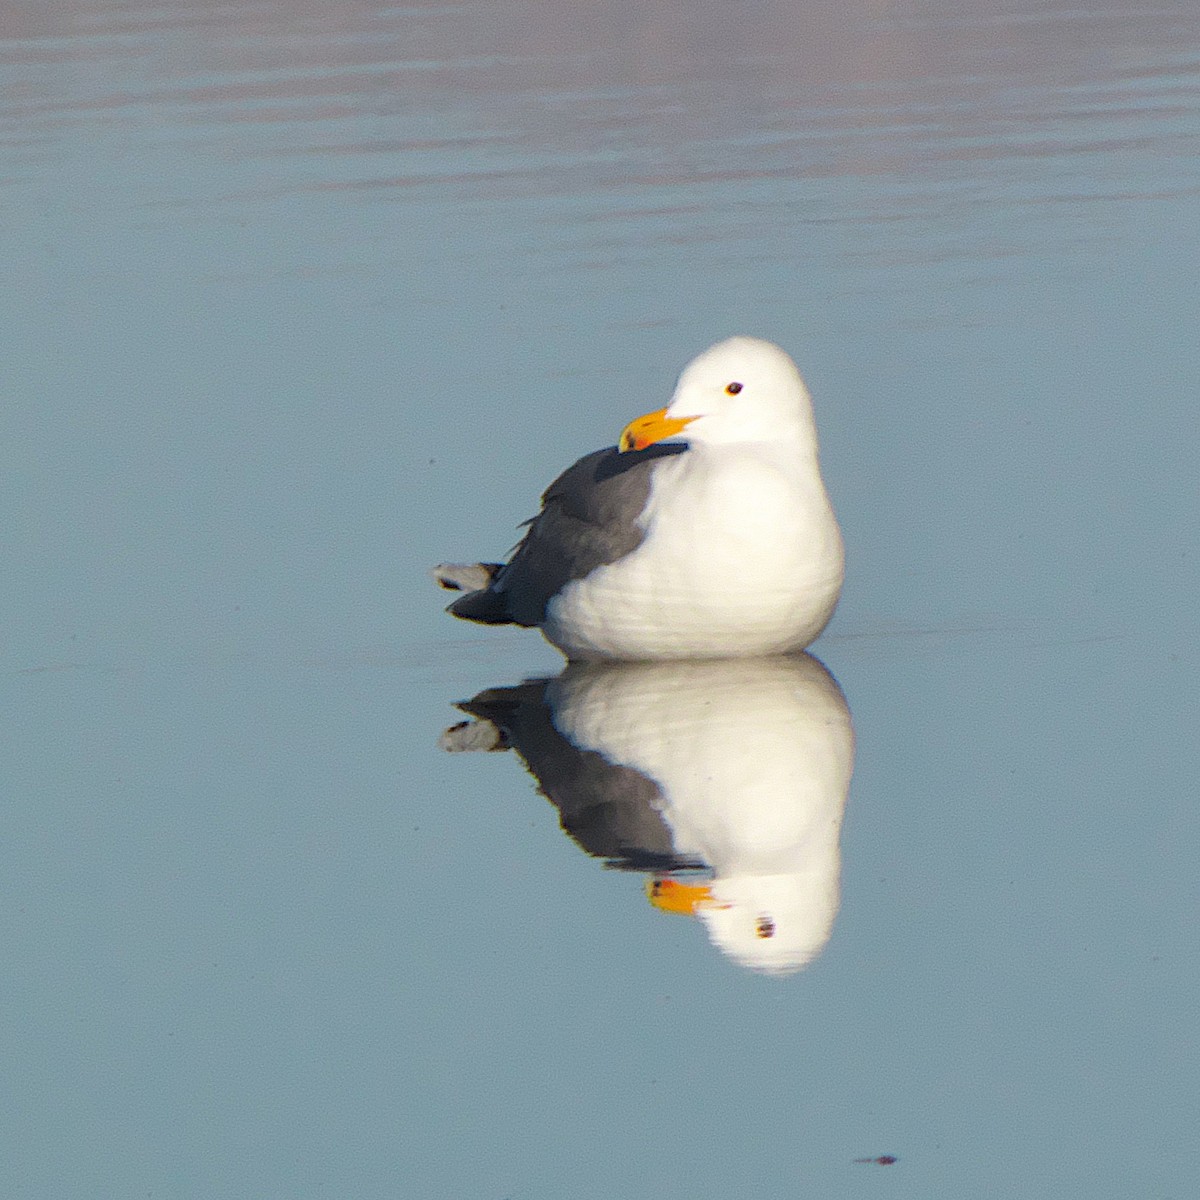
column 483, row 606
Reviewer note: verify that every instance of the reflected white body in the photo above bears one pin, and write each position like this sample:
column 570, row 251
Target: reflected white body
column 754, row 760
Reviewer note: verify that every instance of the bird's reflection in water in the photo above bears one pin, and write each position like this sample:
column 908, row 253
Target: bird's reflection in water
column 737, row 768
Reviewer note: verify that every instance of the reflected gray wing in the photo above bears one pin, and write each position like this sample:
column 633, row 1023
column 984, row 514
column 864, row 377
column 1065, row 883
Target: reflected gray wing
column 588, row 519
column 611, row 811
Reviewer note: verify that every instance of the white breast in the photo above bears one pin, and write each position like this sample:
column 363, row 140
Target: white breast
column 742, row 556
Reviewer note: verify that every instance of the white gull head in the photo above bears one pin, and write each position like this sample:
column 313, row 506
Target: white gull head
column 744, row 390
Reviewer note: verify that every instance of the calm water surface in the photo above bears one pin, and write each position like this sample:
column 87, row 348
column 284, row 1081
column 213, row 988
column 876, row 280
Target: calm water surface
column 303, row 298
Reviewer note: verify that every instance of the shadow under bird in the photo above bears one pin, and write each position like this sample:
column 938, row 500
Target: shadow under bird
column 705, row 533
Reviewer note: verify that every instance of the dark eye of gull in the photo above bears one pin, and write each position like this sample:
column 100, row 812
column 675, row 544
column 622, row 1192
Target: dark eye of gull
column 733, row 388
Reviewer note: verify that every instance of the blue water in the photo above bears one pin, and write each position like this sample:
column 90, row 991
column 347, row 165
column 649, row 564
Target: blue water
column 301, row 299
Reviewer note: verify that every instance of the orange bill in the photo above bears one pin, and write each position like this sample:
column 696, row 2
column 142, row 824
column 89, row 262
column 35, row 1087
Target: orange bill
column 669, row 895
column 653, row 427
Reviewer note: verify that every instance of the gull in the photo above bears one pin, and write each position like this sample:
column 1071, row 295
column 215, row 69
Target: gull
column 705, row 533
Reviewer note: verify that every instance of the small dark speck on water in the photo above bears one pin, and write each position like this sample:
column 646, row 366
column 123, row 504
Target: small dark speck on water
column 883, row 1160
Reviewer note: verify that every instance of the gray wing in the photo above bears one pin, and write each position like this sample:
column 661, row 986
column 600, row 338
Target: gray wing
column 588, row 519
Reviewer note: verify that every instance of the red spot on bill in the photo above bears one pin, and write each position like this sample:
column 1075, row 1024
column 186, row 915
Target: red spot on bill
column 883, row 1160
